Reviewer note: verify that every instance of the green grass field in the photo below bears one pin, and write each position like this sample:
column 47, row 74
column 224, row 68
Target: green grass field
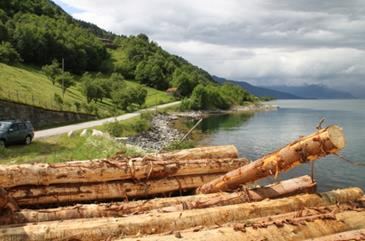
column 25, row 84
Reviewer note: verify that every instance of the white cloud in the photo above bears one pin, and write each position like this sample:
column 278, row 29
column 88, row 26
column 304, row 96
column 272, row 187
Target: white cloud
column 265, row 41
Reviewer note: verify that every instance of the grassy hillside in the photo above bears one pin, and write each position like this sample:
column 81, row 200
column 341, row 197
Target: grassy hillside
column 25, row 84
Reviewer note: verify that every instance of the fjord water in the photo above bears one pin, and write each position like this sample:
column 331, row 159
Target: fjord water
column 260, row 133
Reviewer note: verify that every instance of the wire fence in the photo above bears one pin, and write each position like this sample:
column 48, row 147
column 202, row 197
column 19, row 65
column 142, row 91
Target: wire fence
column 31, row 99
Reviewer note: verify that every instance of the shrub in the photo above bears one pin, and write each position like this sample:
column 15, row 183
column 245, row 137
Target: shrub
column 58, row 99
column 208, row 97
column 115, row 128
column 179, row 145
column 8, row 54
column 52, row 70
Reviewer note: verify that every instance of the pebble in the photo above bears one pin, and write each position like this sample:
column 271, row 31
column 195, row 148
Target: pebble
column 159, row 136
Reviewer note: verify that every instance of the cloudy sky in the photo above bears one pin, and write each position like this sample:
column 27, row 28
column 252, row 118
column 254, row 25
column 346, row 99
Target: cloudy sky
column 265, row 42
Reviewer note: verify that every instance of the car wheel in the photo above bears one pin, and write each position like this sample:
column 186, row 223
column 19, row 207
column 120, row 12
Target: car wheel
column 28, row 140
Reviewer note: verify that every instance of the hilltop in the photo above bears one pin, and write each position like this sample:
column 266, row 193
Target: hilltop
column 38, row 33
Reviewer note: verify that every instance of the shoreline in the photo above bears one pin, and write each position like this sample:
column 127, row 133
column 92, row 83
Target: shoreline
column 169, row 128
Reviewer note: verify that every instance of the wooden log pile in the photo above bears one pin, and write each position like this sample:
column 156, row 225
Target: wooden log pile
column 193, row 194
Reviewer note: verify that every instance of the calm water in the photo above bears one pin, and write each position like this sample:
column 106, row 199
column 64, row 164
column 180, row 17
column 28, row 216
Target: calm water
column 257, row 134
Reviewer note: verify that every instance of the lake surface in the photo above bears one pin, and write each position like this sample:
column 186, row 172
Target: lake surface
column 260, row 133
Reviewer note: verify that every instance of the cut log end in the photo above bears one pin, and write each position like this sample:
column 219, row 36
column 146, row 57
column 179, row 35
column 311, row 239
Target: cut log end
column 336, row 136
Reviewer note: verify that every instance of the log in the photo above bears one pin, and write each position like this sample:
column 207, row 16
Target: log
column 156, row 223
column 285, row 188
column 305, row 228
column 114, row 190
column 358, row 234
column 321, row 143
column 7, row 203
column 204, row 160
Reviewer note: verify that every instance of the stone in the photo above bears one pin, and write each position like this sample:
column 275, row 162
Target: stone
column 84, row 132
column 70, row 133
column 122, row 140
column 97, row 133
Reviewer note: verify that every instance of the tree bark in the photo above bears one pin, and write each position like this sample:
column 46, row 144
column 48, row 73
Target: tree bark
column 7, row 203
column 306, row 149
column 205, row 160
column 76, row 192
column 358, row 234
column 306, row 228
column 285, row 188
column 108, row 228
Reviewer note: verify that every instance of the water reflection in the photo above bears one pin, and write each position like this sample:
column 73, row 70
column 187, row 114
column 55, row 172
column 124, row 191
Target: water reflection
column 261, row 133
column 223, row 122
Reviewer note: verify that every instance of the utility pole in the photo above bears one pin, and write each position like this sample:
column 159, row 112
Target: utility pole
column 63, row 81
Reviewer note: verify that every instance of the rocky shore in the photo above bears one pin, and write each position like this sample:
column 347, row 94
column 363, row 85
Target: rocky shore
column 160, row 135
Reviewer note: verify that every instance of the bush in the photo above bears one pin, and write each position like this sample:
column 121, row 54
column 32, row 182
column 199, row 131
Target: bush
column 185, row 105
column 77, row 106
column 52, row 70
column 8, row 54
column 208, row 97
column 142, row 125
column 58, row 99
column 115, row 128
column 179, row 145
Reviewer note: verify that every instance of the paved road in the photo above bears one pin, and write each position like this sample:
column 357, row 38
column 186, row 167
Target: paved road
column 89, row 124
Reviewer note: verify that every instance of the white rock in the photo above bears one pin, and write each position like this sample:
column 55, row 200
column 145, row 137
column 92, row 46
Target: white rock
column 84, row 132
column 71, row 134
column 97, row 133
column 121, row 139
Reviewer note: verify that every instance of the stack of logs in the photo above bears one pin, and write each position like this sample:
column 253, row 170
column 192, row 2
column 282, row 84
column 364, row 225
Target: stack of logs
column 195, row 194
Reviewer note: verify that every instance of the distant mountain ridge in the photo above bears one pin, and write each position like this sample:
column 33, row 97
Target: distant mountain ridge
column 258, row 91
column 313, row 91
column 290, row 92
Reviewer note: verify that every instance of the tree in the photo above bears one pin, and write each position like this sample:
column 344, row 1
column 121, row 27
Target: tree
column 151, row 72
column 65, row 80
column 208, row 97
column 92, row 88
column 8, row 54
column 52, row 71
column 184, row 83
column 124, row 97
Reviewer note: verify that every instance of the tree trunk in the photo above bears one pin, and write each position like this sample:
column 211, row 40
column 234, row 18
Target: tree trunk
column 309, row 148
column 285, row 188
column 76, row 192
column 157, row 223
column 294, row 230
column 358, row 234
column 195, row 161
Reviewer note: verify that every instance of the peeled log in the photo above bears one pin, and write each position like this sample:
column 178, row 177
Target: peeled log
column 285, row 188
column 307, row 228
column 349, row 235
column 108, row 228
column 204, row 160
column 321, row 143
column 75, row 192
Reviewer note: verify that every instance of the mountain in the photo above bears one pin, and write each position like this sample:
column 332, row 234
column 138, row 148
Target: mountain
column 313, row 91
column 259, row 91
column 39, row 31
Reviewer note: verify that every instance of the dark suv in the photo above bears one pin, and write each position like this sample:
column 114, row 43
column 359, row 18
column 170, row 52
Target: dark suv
column 15, row 131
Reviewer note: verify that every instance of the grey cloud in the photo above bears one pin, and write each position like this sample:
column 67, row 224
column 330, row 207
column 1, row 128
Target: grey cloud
column 264, row 41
